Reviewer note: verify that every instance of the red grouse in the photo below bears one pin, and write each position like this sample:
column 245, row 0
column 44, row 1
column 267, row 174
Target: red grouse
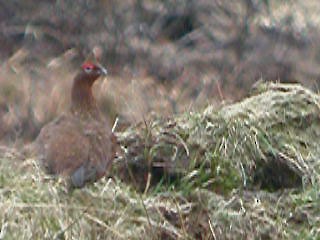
column 78, row 144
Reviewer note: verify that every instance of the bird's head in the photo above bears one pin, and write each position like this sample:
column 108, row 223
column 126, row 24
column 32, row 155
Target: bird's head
column 91, row 72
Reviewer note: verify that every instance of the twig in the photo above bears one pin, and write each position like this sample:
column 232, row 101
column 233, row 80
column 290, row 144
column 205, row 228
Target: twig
column 148, row 183
column 115, row 125
column 101, row 223
column 180, row 217
column 62, row 231
column 147, row 214
column 211, row 229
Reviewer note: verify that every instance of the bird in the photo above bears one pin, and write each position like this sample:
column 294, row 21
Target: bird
column 79, row 144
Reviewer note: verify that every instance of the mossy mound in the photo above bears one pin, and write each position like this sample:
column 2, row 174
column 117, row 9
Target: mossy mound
column 268, row 140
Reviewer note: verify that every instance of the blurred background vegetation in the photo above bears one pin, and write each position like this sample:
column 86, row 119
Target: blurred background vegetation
column 163, row 57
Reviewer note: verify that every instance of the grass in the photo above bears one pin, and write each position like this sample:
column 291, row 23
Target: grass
column 34, row 206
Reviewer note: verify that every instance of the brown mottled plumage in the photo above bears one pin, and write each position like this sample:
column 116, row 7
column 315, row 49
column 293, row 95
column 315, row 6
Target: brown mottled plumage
column 78, row 144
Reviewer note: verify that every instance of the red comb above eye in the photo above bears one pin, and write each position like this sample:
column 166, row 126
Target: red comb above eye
column 88, row 65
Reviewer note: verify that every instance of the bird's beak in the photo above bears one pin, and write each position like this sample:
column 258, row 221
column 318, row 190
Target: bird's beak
column 103, row 70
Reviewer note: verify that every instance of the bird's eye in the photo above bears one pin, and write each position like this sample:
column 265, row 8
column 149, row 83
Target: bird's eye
column 88, row 69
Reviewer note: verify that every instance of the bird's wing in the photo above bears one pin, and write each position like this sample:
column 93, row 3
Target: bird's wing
column 62, row 146
column 100, row 154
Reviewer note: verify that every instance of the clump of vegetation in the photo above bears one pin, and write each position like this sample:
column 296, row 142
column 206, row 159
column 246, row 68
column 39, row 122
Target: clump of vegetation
column 266, row 140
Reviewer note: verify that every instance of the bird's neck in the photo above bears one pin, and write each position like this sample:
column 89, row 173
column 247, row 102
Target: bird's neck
column 83, row 102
